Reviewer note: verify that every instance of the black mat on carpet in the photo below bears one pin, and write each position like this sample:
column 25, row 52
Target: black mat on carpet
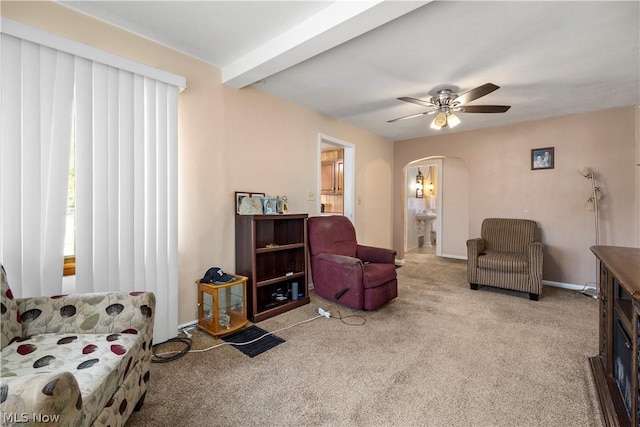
column 250, row 334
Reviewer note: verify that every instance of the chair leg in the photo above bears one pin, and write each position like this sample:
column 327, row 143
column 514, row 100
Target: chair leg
column 533, row 297
column 474, row 286
column 140, row 402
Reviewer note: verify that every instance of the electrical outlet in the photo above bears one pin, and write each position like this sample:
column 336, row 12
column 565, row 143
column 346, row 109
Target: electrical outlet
column 311, row 196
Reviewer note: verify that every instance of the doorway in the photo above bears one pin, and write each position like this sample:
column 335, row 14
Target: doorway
column 336, row 177
column 423, row 206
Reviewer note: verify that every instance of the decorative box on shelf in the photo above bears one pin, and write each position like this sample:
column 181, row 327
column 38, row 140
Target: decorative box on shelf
column 222, row 308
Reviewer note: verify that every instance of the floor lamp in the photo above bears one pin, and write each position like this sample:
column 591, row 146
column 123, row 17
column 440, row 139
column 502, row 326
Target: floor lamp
column 592, row 205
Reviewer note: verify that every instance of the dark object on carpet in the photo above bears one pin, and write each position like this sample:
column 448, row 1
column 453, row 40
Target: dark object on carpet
column 340, row 293
column 250, row 334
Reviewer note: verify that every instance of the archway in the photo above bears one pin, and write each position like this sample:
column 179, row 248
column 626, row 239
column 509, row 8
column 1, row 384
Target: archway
column 451, row 191
column 419, row 199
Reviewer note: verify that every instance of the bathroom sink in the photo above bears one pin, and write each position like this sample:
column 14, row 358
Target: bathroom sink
column 425, row 216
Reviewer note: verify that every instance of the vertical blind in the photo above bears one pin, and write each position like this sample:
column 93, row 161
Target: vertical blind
column 35, row 113
column 125, row 129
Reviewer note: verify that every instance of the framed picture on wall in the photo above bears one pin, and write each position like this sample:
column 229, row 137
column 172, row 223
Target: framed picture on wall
column 542, row 158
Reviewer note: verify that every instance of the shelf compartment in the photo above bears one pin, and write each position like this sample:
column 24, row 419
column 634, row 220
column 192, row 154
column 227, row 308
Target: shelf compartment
column 274, row 264
column 624, row 310
column 276, row 298
column 282, row 233
column 279, row 248
column 623, row 305
column 278, row 279
column 279, row 309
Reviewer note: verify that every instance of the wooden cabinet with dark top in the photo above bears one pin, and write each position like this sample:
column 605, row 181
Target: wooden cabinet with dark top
column 271, row 250
column 615, row 367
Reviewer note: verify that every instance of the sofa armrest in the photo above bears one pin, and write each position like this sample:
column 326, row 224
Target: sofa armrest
column 376, row 255
column 475, row 248
column 534, row 251
column 98, row 313
column 339, row 259
column 333, row 273
column 39, row 399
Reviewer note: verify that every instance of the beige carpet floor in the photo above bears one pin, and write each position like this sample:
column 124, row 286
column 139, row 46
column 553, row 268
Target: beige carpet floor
column 438, row 355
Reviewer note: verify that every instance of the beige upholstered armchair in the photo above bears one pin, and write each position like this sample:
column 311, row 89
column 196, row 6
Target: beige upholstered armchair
column 508, row 256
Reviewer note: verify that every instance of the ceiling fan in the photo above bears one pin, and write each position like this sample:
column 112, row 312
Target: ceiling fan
column 446, row 102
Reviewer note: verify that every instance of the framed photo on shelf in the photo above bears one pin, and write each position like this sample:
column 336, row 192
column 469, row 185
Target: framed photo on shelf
column 248, row 203
column 269, row 205
column 542, row 158
column 239, row 196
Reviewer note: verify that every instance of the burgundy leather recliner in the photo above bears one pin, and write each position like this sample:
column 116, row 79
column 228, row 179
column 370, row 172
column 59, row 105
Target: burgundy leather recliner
column 356, row 276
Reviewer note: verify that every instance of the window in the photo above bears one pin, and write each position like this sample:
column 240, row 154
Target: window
column 70, row 223
column 124, row 114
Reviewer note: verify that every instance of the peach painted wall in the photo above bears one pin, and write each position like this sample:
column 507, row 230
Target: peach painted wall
column 502, row 184
column 455, row 207
column 233, row 140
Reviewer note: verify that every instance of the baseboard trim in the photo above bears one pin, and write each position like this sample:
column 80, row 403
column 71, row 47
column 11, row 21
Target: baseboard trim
column 187, row 325
column 462, row 257
column 570, row 286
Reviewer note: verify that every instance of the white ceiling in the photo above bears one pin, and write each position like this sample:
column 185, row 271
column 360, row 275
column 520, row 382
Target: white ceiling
column 351, row 59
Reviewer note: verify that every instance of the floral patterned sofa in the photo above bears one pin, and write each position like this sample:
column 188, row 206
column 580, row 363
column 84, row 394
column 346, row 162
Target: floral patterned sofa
column 74, row 360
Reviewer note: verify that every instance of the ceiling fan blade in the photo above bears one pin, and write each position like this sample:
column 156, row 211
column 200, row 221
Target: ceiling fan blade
column 417, row 101
column 476, row 93
column 483, row 108
column 409, row 117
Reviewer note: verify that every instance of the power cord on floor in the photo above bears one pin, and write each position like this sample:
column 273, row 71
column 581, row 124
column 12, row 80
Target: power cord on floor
column 176, row 354
column 327, row 314
column 590, row 289
column 160, row 358
column 362, row 320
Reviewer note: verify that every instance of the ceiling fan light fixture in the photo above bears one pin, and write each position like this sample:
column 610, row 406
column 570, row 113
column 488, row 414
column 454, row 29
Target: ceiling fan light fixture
column 446, row 102
column 453, row 120
column 441, row 119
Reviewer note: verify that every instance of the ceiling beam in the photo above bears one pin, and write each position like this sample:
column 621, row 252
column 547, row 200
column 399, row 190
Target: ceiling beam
column 334, row 25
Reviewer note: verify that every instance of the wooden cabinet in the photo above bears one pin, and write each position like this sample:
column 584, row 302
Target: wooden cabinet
column 615, row 367
column 339, row 175
column 332, row 182
column 222, row 308
column 327, row 174
column 271, row 250
column 332, row 172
